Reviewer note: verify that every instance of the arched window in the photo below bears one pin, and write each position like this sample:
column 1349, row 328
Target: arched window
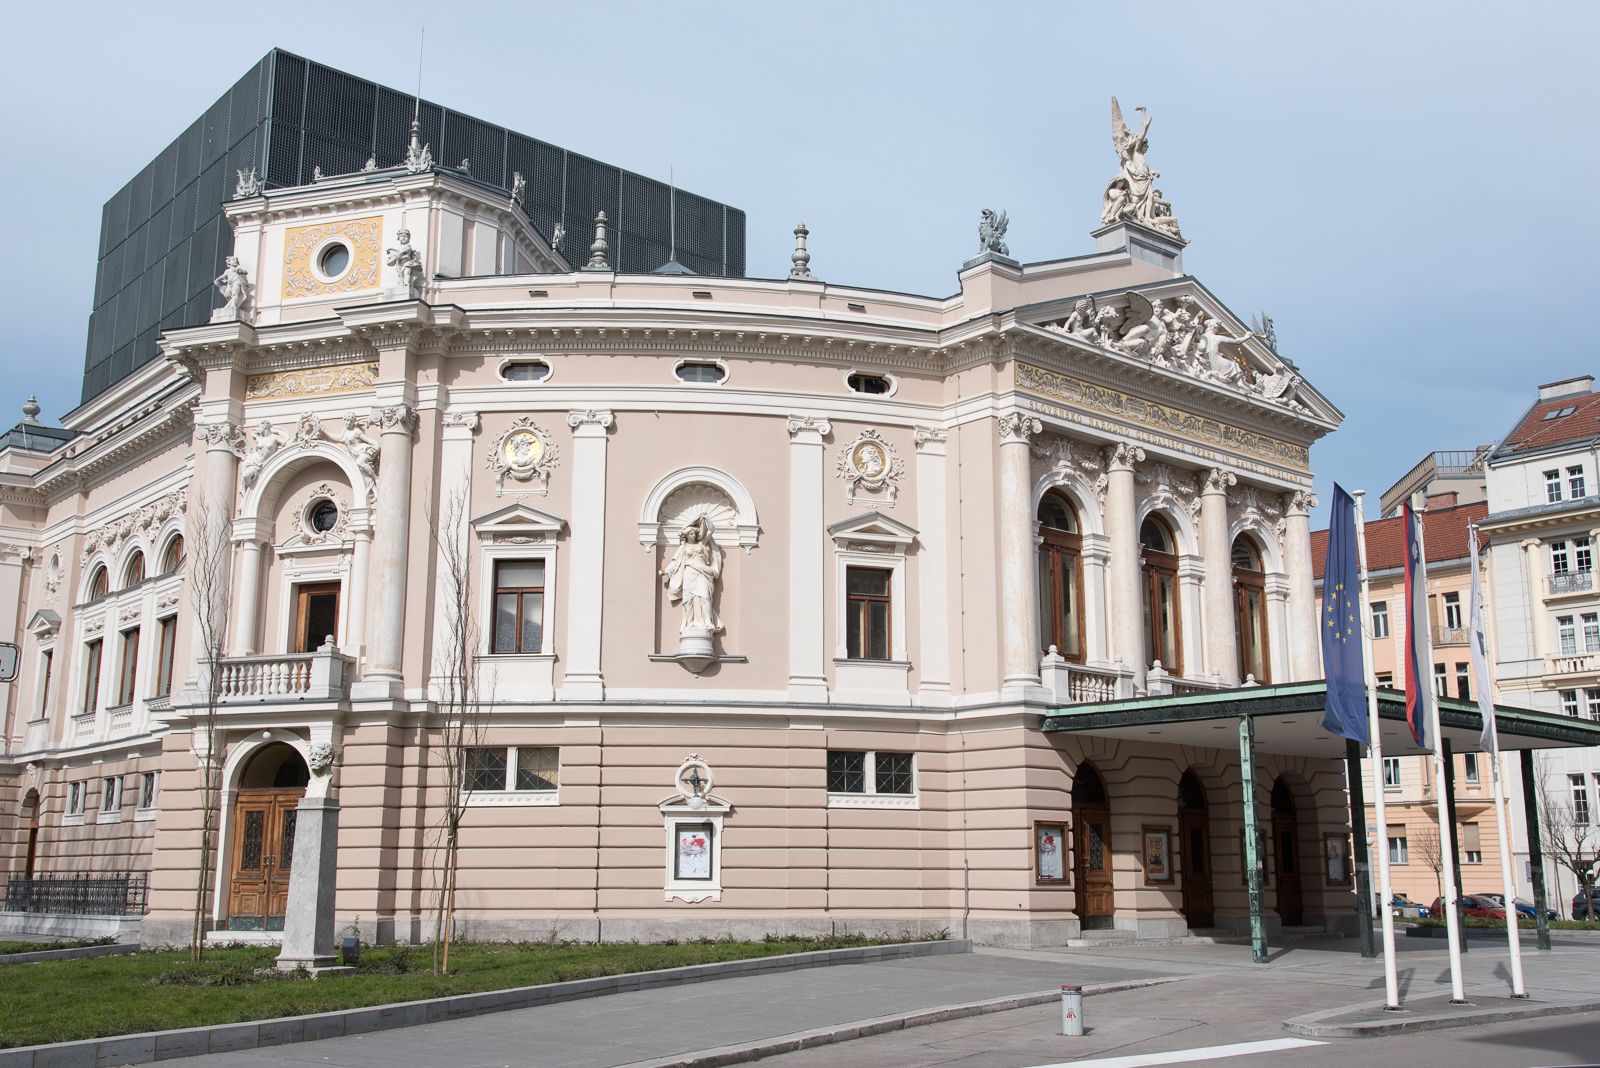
column 1060, row 578
column 173, row 556
column 98, row 584
column 135, row 570
column 1159, row 590
column 1250, row 610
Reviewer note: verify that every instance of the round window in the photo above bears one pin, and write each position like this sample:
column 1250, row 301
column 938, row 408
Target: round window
column 334, row 260
column 324, row 516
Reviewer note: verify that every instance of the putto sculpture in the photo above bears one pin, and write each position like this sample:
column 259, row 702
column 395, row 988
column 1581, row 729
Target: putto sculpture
column 1132, row 194
column 991, row 231
column 408, row 262
column 234, row 285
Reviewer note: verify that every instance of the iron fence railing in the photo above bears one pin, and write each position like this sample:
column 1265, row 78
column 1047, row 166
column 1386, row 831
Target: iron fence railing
column 1571, row 582
column 79, row 894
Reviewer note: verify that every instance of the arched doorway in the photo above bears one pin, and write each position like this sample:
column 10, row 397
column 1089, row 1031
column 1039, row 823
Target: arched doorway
column 262, row 847
column 30, row 808
column 1163, row 641
column 1060, row 578
column 1286, row 852
column 1194, row 836
column 1091, row 826
column 1250, row 610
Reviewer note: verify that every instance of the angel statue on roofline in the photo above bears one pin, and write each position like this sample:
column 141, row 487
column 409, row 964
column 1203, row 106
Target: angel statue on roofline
column 692, row 577
column 1132, row 194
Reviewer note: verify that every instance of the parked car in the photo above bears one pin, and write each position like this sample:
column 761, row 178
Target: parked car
column 1524, row 907
column 1579, row 910
column 1407, row 909
column 1478, row 906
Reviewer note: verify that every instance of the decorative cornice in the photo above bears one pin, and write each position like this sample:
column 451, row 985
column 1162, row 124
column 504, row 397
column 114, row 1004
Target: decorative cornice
column 110, row 535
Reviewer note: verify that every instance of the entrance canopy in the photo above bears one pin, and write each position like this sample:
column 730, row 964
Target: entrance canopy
column 1288, row 721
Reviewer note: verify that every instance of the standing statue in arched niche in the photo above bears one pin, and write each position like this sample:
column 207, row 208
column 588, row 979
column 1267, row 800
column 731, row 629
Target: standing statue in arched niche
column 692, row 579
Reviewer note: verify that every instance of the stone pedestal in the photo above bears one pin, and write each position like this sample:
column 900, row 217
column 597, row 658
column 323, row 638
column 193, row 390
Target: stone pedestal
column 308, row 920
column 695, row 650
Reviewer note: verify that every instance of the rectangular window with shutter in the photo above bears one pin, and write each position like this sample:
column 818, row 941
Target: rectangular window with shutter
column 1398, row 851
column 1471, row 848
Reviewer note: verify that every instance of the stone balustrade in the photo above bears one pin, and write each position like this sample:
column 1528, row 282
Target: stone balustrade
column 324, row 675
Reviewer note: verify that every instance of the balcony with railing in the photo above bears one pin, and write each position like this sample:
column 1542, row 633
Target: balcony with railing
column 119, row 719
column 324, row 675
column 1574, row 664
column 1449, row 636
column 1562, row 582
column 83, row 725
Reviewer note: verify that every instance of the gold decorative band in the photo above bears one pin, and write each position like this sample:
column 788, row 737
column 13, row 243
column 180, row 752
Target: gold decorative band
column 1159, row 416
column 345, row 378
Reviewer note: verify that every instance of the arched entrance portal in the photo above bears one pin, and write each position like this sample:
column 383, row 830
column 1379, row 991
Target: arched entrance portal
column 1091, row 826
column 262, row 850
column 1286, row 850
column 1194, row 837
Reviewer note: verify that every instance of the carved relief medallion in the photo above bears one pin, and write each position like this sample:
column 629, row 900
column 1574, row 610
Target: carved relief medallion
column 870, row 463
column 523, row 453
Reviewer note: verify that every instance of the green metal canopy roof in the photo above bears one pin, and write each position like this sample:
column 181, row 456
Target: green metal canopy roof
column 1288, row 720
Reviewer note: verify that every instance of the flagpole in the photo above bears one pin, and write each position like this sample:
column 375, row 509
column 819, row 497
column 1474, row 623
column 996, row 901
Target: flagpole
column 1391, row 981
column 1417, row 603
column 1491, row 734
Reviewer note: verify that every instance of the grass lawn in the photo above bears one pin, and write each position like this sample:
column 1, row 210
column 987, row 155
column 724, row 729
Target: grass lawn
column 37, row 947
column 59, row 1001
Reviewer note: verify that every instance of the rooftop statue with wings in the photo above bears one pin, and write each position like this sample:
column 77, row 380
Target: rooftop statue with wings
column 1132, row 193
column 991, row 230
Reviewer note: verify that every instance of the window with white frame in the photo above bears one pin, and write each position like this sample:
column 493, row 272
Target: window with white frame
column 868, row 615
column 1575, row 486
column 869, row 777
column 1452, row 611
column 1591, row 632
column 91, row 675
column 164, row 655
column 1441, row 681
column 1471, row 845
column 128, row 679
column 1580, row 800
column 1567, row 635
column 1463, row 682
column 1582, row 555
column 501, row 775
column 1591, row 702
column 75, row 800
column 1380, row 619
column 1469, row 766
column 519, row 606
column 1569, row 703
column 1552, row 486
column 871, row 652
column 1560, row 562
column 1398, row 851
column 111, row 795
column 47, row 659
column 1391, row 773
column 147, row 791
column 1385, row 680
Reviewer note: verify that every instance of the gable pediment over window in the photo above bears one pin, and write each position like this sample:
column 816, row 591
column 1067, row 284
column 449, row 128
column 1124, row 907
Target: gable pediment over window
column 874, row 530
column 518, row 523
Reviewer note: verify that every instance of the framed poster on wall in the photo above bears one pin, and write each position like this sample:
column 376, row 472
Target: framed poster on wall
column 1157, row 854
column 1336, row 859
column 692, row 851
column 1050, row 852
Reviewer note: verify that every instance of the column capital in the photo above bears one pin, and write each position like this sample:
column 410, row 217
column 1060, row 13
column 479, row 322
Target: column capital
column 1016, row 428
column 221, row 437
column 469, row 420
column 1123, row 455
column 590, row 422
column 1532, row 543
column 395, row 419
column 1299, row 502
column 1217, row 481
column 808, row 429
column 930, row 439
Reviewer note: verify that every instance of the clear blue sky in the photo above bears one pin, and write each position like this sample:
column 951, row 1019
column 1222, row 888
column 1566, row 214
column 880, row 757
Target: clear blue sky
column 1403, row 187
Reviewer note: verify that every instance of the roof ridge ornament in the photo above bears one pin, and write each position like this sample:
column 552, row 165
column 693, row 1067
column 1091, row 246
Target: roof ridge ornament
column 598, row 250
column 248, row 185
column 1132, row 196
column 801, row 258
column 991, row 229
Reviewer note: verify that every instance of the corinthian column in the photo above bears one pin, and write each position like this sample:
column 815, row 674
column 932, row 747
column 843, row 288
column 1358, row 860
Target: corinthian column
column 209, row 534
column 1222, row 639
column 1305, row 653
column 1019, row 609
column 390, row 541
column 1125, row 609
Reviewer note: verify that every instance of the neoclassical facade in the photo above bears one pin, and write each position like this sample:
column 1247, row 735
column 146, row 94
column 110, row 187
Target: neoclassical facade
column 769, row 586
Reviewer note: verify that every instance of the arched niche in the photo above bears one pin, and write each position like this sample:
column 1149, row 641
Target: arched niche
column 735, row 518
column 261, row 499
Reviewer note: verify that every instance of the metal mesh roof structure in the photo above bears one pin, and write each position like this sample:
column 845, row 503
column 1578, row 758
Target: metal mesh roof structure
column 163, row 237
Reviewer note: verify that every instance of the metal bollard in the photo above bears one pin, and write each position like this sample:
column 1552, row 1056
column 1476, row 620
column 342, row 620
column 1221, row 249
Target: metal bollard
column 1072, row 1010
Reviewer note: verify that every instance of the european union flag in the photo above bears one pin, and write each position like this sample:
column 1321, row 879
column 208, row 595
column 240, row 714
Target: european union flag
column 1345, row 711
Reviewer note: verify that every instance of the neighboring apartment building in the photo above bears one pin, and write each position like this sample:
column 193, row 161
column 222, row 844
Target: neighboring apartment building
column 1411, row 789
column 1542, row 533
column 771, row 586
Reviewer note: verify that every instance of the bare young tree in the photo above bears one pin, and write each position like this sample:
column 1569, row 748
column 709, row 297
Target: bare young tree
column 211, row 594
column 1424, row 844
column 455, row 677
column 1569, row 834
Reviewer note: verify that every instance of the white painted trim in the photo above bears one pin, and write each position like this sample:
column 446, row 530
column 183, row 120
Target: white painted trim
column 892, row 379
column 722, row 365
column 674, row 811
column 532, row 357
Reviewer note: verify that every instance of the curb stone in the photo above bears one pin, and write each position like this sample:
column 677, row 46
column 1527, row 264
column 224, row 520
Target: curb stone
column 227, row 1038
column 1310, row 1025
column 718, row 1056
column 69, row 954
column 1500, row 933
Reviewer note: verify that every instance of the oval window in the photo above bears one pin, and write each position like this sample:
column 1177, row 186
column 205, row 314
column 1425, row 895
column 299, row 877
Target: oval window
column 700, row 372
column 526, row 371
column 324, row 516
column 335, row 260
column 868, row 383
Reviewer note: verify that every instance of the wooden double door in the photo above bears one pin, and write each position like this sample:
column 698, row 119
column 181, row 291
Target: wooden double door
column 1091, row 825
column 1194, row 837
column 262, row 855
column 1286, row 842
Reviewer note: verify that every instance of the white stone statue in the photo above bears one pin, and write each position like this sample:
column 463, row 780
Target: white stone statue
column 990, row 232
column 268, row 441
column 519, row 186
column 234, row 285
column 408, row 262
column 362, row 450
column 1132, row 193
column 692, row 579
column 1217, row 366
column 248, row 185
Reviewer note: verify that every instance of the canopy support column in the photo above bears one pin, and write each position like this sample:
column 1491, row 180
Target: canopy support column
column 1530, row 811
column 1358, row 848
column 1454, row 859
column 1252, row 839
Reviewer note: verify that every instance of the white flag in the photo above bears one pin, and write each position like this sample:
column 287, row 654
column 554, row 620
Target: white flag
column 1489, row 742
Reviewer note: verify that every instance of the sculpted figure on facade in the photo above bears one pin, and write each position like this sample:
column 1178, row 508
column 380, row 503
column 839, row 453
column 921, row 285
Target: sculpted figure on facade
column 869, row 462
column 1132, row 193
column 234, row 285
column 308, row 430
column 407, row 262
column 992, row 231
column 268, row 441
column 248, row 185
column 362, row 451
column 692, row 578
column 523, row 453
column 1218, row 366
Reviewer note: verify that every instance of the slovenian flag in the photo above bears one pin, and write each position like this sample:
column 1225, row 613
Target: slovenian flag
column 1419, row 649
